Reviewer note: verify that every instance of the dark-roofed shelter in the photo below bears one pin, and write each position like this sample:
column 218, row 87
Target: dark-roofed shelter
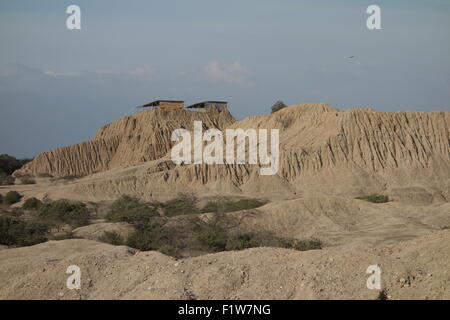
column 220, row 105
column 165, row 104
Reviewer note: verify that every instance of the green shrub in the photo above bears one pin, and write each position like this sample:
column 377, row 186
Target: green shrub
column 45, row 175
column 278, row 106
column 214, row 238
column 6, row 179
column 148, row 236
column 27, row 180
column 231, row 206
column 20, row 233
column 301, row 245
column 74, row 213
column 216, row 235
column 131, row 210
column 64, row 236
column 71, row 177
column 241, row 241
column 12, row 197
column 17, row 212
column 182, row 205
column 32, row 204
column 169, row 250
column 375, row 198
column 112, row 237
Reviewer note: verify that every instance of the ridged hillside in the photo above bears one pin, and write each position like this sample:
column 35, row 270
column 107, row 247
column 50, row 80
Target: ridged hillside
column 130, row 140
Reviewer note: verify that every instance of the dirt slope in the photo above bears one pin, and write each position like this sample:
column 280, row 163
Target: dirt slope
column 410, row 270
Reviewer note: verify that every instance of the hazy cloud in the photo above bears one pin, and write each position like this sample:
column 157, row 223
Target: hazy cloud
column 61, row 74
column 143, row 72
column 229, row 73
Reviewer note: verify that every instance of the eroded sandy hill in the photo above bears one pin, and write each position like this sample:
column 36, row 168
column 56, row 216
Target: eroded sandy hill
column 413, row 269
column 130, row 140
column 323, row 150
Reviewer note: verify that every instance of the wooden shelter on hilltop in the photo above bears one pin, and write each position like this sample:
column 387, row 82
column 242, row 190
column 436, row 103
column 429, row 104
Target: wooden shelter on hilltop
column 165, row 104
column 219, row 105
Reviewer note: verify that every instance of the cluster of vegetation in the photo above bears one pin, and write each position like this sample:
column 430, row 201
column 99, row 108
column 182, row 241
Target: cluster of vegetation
column 112, row 237
column 183, row 204
column 69, row 177
column 14, row 232
column 231, row 206
column 60, row 212
column 64, row 236
column 11, row 197
column 194, row 235
column 26, row 179
column 32, row 204
column 131, row 210
column 278, row 106
column 156, row 227
column 45, row 175
column 375, row 198
column 8, row 165
column 6, row 179
column 218, row 234
column 18, row 231
column 190, row 233
column 134, row 211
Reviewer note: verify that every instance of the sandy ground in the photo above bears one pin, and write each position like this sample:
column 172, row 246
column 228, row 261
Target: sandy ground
column 414, row 269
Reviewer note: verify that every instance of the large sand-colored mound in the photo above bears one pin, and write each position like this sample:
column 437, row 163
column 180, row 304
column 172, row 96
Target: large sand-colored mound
column 323, row 151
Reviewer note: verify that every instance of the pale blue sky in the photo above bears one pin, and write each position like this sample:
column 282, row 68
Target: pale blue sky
column 58, row 86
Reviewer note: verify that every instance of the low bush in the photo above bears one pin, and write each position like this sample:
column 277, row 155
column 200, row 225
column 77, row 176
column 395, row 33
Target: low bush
column 17, row 212
column 182, row 205
column 71, row 177
column 196, row 236
column 213, row 237
column 301, row 245
column 278, row 106
column 169, row 250
column 27, row 180
column 230, row 206
column 15, row 232
column 148, row 236
column 217, row 234
column 375, row 198
column 64, row 236
column 131, row 210
column 6, row 179
column 12, row 197
column 75, row 214
column 32, row 204
column 45, row 175
column 112, row 237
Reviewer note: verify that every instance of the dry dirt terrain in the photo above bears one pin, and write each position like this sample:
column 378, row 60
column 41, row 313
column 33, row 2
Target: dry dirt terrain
column 328, row 157
column 413, row 269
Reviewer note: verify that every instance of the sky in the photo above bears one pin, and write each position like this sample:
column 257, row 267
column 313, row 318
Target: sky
column 58, row 86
